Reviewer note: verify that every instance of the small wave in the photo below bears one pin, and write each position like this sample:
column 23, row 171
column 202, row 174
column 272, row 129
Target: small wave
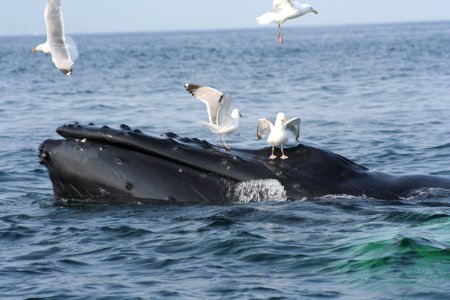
column 220, row 222
column 415, row 217
column 14, row 233
column 444, row 146
column 73, row 262
column 397, row 252
column 343, row 197
column 240, row 212
column 40, row 254
column 125, row 231
column 263, row 257
column 260, row 191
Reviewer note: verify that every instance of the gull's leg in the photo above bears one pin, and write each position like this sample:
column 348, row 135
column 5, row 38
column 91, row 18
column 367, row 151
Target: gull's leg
column 228, row 148
column 220, row 141
column 273, row 155
column 280, row 35
column 282, row 152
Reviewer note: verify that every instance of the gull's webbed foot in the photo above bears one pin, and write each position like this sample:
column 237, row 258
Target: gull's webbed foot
column 227, row 148
column 280, row 38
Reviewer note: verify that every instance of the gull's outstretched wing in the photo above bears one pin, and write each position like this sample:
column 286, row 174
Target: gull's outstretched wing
column 293, row 125
column 224, row 113
column 55, row 36
column 282, row 4
column 211, row 97
column 264, row 125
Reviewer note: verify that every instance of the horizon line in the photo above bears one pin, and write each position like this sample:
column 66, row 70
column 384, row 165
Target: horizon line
column 233, row 29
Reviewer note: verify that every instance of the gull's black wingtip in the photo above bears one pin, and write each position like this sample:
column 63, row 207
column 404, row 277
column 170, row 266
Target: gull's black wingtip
column 67, row 72
column 191, row 88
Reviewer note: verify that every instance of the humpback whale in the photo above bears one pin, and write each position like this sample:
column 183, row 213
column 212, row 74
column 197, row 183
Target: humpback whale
column 103, row 165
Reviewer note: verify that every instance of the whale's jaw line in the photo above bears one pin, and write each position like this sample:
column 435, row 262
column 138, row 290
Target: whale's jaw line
column 103, row 165
column 98, row 173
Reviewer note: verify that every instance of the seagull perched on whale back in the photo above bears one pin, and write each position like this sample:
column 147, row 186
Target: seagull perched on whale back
column 278, row 135
column 284, row 10
column 56, row 41
column 222, row 120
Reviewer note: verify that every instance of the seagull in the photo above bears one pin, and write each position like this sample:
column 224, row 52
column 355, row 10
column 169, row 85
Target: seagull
column 278, row 135
column 56, row 41
column 284, row 10
column 222, row 120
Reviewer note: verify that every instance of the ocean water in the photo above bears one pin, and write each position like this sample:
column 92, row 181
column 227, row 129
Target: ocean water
column 376, row 94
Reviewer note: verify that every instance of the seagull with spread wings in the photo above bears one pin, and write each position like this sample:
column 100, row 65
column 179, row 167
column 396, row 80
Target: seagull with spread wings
column 222, row 120
column 284, row 10
column 56, row 41
column 278, row 133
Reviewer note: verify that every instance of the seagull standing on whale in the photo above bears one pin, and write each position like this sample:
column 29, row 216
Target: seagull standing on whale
column 278, row 132
column 222, row 120
column 284, row 10
column 56, row 41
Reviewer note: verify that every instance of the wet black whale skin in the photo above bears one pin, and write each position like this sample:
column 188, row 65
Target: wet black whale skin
column 103, row 165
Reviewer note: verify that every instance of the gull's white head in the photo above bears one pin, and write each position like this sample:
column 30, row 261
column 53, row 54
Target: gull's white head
column 42, row 47
column 236, row 114
column 308, row 8
column 281, row 118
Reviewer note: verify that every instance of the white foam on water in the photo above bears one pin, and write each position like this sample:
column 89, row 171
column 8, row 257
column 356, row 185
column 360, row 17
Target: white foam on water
column 427, row 193
column 263, row 190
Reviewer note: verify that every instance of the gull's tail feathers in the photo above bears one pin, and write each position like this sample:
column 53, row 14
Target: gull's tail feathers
column 214, row 128
column 266, row 18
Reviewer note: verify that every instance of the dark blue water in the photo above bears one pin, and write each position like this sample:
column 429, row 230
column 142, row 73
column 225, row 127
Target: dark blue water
column 379, row 95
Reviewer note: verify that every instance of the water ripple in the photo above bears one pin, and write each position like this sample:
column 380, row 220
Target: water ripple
column 384, row 106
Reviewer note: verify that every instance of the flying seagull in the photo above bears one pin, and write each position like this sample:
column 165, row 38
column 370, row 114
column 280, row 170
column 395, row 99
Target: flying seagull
column 222, row 120
column 56, row 41
column 278, row 135
column 284, row 10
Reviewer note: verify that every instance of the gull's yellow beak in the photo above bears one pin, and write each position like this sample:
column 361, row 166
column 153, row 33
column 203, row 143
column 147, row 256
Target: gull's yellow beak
column 34, row 50
column 315, row 11
column 284, row 120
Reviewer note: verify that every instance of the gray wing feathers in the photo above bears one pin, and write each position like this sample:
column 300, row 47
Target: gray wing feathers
column 264, row 126
column 224, row 113
column 282, row 4
column 54, row 23
column 55, row 35
column 293, row 125
column 211, row 97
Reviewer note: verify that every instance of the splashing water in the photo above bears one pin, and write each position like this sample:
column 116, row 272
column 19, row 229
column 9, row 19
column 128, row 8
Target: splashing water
column 260, row 191
column 427, row 193
column 72, row 48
